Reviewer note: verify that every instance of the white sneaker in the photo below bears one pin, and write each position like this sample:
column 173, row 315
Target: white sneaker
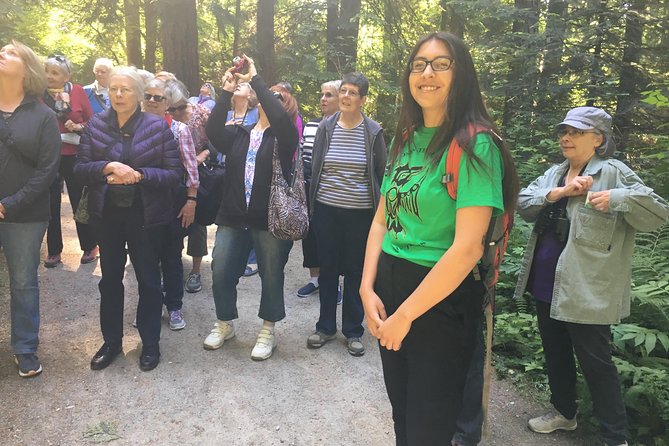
column 551, row 422
column 221, row 332
column 265, row 345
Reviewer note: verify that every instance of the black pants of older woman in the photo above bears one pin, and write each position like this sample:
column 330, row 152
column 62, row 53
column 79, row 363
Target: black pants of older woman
column 592, row 345
column 426, row 376
column 121, row 226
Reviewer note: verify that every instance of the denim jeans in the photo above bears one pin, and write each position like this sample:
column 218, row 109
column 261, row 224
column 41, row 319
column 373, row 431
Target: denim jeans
column 592, row 345
column 54, row 236
column 229, row 257
column 21, row 244
column 341, row 235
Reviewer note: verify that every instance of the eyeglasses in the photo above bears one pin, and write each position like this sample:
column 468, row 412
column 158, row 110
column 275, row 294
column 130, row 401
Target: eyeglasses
column 440, row 63
column 351, row 93
column 154, row 97
column 179, row 108
column 574, row 133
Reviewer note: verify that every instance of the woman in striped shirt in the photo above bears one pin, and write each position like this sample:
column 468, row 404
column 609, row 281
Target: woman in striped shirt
column 349, row 157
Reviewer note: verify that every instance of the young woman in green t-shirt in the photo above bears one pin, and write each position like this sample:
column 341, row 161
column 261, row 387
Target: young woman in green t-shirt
column 420, row 299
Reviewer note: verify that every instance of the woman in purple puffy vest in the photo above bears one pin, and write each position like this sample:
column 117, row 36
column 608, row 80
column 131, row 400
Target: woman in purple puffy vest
column 130, row 162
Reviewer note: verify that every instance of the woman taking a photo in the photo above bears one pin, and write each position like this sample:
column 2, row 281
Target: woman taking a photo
column 242, row 217
column 70, row 103
column 130, row 162
column 578, row 266
column 420, row 297
column 29, row 155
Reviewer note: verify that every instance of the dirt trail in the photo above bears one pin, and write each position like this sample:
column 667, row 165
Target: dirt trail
column 198, row 397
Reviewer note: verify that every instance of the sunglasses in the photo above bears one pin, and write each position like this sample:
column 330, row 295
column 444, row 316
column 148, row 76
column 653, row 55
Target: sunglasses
column 179, row 108
column 277, row 95
column 154, row 97
column 60, row 59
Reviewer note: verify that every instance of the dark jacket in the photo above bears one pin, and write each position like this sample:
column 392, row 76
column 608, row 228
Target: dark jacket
column 25, row 178
column 375, row 149
column 233, row 142
column 153, row 152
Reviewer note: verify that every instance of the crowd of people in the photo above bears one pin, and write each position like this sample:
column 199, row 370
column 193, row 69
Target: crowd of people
column 128, row 149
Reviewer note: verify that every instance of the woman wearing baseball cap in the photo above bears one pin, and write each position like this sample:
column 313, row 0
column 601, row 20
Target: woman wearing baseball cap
column 578, row 264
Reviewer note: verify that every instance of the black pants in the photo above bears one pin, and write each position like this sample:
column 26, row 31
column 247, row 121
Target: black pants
column 54, row 236
column 341, row 235
column 309, row 244
column 118, row 227
column 425, row 378
column 592, row 345
column 172, row 266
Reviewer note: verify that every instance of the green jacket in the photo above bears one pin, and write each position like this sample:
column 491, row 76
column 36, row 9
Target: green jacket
column 593, row 274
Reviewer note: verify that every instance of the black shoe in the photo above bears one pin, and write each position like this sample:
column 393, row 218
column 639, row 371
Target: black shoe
column 105, row 355
column 149, row 358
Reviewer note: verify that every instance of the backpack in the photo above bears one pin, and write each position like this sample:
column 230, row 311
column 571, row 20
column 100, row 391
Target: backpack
column 497, row 235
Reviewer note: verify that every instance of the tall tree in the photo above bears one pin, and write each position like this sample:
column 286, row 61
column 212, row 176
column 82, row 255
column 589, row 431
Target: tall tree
column 265, row 36
column 237, row 22
column 151, row 39
column 133, row 33
column 179, row 39
column 451, row 20
column 331, row 33
column 630, row 77
column 349, row 25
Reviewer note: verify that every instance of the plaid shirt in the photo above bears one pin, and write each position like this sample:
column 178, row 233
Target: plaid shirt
column 187, row 152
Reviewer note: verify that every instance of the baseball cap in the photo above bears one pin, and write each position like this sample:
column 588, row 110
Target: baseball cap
column 592, row 118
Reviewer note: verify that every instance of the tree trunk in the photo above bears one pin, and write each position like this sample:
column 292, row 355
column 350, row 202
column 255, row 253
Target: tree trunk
column 451, row 21
column 387, row 100
column 265, row 59
column 179, row 39
column 133, row 33
column 332, row 32
column 519, row 84
column 151, row 24
column 349, row 24
column 235, row 38
column 628, row 89
column 598, row 7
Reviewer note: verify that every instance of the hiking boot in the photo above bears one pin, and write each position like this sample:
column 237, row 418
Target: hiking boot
column 307, row 290
column 177, row 321
column 265, row 345
column 149, row 358
column 52, row 261
column 90, row 256
column 551, row 422
column 318, row 339
column 221, row 332
column 193, row 283
column 355, row 347
column 29, row 365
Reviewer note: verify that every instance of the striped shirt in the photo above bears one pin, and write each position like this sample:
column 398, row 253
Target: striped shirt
column 344, row 181
column 308, row 136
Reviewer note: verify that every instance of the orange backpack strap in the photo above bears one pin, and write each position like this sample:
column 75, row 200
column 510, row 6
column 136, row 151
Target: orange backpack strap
column 450, row 178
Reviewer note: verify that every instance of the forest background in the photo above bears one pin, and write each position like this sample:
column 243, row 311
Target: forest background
column 535, row 59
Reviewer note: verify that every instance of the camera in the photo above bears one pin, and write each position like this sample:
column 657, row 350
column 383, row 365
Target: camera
column 239, row 64
column 553, row 219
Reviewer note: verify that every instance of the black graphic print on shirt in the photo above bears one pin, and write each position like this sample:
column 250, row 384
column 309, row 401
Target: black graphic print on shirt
column 402, row 196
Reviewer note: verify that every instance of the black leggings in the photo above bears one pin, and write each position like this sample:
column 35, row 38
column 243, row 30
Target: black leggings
column 425, row 378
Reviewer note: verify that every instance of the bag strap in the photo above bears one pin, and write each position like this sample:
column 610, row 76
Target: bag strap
column 450, row 178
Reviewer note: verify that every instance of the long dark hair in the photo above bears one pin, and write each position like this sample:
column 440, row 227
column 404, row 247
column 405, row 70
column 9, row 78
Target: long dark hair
column 464, row 109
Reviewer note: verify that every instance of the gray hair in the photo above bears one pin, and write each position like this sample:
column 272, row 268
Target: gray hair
column 336, row 85
column 176, row 93
column 103, row 62
column 60, row 62
column 146, row 75
column 135, row 77
column 155, row 83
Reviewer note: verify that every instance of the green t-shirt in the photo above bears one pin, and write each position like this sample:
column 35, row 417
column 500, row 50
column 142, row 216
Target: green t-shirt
column 420, row 215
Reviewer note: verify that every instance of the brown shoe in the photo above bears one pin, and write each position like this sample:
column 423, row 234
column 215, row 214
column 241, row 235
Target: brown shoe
column 52, row 261
column 90, row 256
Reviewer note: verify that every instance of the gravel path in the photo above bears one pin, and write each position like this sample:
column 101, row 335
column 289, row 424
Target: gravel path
column 198, row 397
